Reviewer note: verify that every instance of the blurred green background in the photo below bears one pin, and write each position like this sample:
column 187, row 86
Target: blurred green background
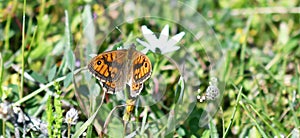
column 260, row 41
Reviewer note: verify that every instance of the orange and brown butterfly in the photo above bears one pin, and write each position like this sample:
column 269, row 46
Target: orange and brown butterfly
column 117, row 68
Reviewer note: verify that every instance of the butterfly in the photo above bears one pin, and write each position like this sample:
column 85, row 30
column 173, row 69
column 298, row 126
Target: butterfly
column 117, row 68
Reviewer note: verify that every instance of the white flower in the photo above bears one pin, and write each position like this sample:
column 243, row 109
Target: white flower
column 5, row 110
column 212, row 91
column 71, row 117
column 164, row 44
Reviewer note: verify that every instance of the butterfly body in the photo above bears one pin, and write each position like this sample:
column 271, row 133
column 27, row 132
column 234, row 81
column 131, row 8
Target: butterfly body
column 117, row 68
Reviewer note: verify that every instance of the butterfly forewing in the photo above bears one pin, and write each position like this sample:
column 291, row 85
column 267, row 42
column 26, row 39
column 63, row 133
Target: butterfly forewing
column 108, row 68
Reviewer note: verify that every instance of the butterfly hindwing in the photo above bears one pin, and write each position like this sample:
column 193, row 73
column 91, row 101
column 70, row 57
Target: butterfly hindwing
column 141, row 68
column 136, row 89
column 141, row 71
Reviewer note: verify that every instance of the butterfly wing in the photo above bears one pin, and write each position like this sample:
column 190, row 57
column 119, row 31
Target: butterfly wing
column 141, row 71
column 136, row 89
column 142, row 68
column 108, row 67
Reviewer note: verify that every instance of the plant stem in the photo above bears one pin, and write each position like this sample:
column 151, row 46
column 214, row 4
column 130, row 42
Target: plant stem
column 1, row 75
column 3, row 127
column 69, row 130
column 38, row 91
column 23, row 48
column 243, row 49
column 234, row 111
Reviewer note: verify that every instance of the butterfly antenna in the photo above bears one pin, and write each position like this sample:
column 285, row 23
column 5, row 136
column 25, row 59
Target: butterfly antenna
column 120, row 31
column 132, row 45
column 122, row 34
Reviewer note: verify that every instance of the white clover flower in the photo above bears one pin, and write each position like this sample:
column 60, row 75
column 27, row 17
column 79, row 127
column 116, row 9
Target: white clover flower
column 71, row 117
column 212, row 91
column 162, row 43
column 5, row 110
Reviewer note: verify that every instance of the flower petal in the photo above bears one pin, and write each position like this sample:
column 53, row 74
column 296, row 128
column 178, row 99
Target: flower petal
column 163, row 44
column 145, row 51
column 176, row 38
column 145, row 30
column 143, row 43
column 152, row 41
column 148, row 34
column 169, row 49
column 164, row 35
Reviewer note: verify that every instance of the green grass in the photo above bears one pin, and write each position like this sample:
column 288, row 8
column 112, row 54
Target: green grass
column 257, row 58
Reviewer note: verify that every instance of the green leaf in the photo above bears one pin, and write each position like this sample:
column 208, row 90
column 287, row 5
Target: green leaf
column 41, row 51
column 68, row 79
column 89, row 28
column 206, row 134
column 49, row 114
column 283, row 36
column 38, row 77
column 213, row 129
column 12, row 89
column 181, row 132
column 86, row 124
column 52, row 73
column 254, row 133
column 71, row 60
column 58, row 114
column 59, row 48
column 89, row 131
column 1, row 74
column 10, row 34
